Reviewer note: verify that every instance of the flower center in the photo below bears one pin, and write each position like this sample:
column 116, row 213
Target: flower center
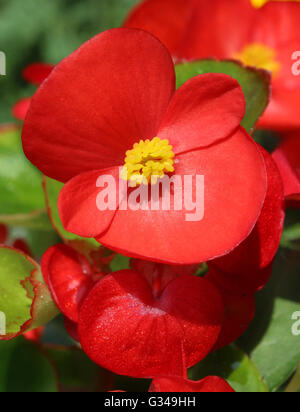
column 148, row 161
column 258, row 3
column 260, row 56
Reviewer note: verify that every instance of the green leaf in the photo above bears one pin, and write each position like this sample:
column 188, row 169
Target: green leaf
column 24, row 368
column 52, row 189
column 120, row 262
column 38, row 241
column 270, row 342
column 294, row 385
column 233, row 365
column 25, row 300
column 291, row 233
column 21, row 191
column 76, row 372
column 255, row 83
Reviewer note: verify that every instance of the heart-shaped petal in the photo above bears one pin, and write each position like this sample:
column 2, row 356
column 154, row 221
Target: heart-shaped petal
column 124, row 328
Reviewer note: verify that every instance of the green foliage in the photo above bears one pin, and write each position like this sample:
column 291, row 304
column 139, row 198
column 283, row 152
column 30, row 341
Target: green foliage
column 41, row 30
column 24, row 298
column 267, row 356
column 233, row 365
column 22, row 199
column 269, row 341
column 25, row 368
column 75, row 370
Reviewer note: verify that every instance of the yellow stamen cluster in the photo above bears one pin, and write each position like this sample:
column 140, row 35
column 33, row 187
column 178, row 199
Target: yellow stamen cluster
column 260, row 56
column 148, row 161
column 258, row 3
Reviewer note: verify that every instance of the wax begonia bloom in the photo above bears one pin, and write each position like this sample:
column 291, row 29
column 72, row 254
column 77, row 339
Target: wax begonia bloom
column 266, row 38
column 35, row 335
column 150, row 15
column 35, row 73
column 287, row 158
column 69, row 277
column 248, row 267
column 239, row 311
column 20, row 109
column 127, row 329
column 117, row 89
column 211, row 384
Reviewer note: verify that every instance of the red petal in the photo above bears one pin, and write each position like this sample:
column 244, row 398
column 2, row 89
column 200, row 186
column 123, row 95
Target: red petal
column 77, row 203
column 235, row 188
column 278, row 27
column 177, row 384
column 239, row 313
column 282, row 113
column 124, row 329
column 98, row 102
column 247, row 282
column 21, row 108
column 259, row 249
column 287, row 158
column 3, row 233
column 35, row 335
column 166, row 19
column 69, row 277
column 71, row 328
column 218, row 29
column 198, row 308
column 278, row 23
column 36, row 73
column 166, row 273
column 23, row 246
column 206, row 109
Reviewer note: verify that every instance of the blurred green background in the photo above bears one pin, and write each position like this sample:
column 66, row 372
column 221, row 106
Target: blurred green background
column 47, row 31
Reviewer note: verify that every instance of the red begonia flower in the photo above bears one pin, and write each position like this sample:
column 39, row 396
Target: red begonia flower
column 3, row 233
column 35, row 73
column 35, row 335
column 20, row 109
column 287, row 158
column 125, row 91
column 177, row 384
column 125, row 328
column 238, row 314
column 69, row 276
column 265, row 38
column 150, row 15
column 248, row 267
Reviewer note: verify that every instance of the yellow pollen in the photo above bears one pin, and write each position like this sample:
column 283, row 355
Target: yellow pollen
column 258, row 3
column 148, row 161
column 260, row 56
